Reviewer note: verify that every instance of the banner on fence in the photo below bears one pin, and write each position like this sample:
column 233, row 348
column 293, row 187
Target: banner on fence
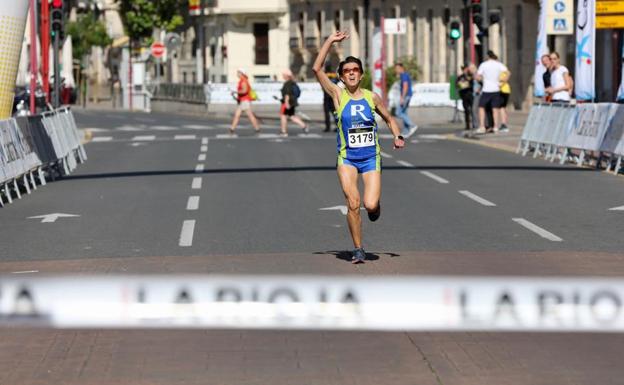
column 614, row 138
column 590, row 126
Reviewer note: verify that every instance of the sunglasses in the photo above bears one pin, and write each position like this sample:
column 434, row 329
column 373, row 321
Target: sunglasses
column 355, row 70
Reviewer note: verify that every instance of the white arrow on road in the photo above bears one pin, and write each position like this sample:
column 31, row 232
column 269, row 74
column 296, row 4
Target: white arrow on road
column 51, row 218
column 342, row 208
column 621, row 208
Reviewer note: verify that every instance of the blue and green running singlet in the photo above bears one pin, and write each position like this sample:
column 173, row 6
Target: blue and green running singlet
column 358, row 142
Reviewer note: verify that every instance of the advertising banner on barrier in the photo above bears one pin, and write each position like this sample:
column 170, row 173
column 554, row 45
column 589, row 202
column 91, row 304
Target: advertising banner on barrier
column 620, row 95
column 221, row 93
column 590, row 126
column 13, row 21
column 541, row 49
column 315, row 303
column 585, row 46
column 614, row 138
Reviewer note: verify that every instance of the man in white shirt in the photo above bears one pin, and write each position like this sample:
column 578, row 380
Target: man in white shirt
column 491, row 73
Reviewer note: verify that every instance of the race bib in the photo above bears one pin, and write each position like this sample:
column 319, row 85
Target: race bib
column 361, row 137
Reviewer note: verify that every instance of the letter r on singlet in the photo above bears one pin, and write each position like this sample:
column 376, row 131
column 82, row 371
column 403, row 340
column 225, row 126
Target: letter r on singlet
column 358, row 109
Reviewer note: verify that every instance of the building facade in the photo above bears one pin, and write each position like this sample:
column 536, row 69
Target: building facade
column 426, row 37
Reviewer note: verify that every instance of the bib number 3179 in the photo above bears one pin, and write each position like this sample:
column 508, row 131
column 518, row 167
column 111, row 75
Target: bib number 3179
column 361, row 137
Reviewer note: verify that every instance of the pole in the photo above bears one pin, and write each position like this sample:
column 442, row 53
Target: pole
column 57, row 71
column 202, row 43
column 33, row 57
column 45, row 49
column 383, row 61
column 130, row 77
column 486, row 27
column 472, row 40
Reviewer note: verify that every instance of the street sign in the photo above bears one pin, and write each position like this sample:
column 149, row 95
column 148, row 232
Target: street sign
column 559, row 17
column 609, row 14
column 395, row 26
column 194, row 7
column 158, row 49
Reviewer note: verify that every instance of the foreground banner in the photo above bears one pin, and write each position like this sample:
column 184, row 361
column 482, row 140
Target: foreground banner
column 393, row 303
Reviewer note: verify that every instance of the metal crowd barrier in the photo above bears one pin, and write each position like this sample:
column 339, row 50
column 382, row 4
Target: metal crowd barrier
column 38, row 144
column 552, row 130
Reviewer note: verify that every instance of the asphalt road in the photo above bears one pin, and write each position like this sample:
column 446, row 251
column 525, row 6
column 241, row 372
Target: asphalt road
column 170, row 194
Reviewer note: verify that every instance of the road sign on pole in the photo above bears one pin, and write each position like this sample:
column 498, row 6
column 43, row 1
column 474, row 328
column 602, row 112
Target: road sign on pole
column 158, row 49
column 395, row 26
column 559, row 17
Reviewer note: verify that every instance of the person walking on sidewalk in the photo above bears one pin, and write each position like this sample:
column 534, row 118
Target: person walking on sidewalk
column 465, row 86
column 290, row 94
column 244, row 98
column 561, row 83
column 489, row 73
column 405, row 88
column 329, row 110
column 505, row 90
column 358, row 139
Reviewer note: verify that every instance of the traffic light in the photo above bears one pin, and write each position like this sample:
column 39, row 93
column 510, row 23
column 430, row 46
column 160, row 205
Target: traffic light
column 57, row 19
column 455, row 30
column 477, row 16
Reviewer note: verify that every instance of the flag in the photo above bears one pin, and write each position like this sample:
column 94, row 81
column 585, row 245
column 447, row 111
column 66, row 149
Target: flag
column 620, row 96
column 585, row 88
column 541, row 49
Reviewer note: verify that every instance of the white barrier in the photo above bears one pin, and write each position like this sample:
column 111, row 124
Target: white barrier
column 552, row 129
column 25, row 150
column 316, row 302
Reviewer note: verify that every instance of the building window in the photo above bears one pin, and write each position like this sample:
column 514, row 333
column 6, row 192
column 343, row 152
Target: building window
column 356, row 21
column 319, row 23
column 338, row 20
column 431, row 43
column 414, row 17
column 376, row 18
column 261, row 37
column 302, row 26
column 184, row 77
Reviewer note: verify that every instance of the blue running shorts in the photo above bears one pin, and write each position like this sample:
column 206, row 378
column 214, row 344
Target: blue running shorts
column 362, row 165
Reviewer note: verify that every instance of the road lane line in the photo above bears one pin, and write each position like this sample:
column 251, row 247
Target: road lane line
column 102, row 139
column 536, row 229
column 404, row 163
column 433, row 176
column 203, row 148
column 477, row 198
column 192, row 203
column 201, row 157
column 25, row 272
column 186, row 235
column 144, row 137
column 185, row 137
column 199, row 167
column 197, row 183
column 386, row 155
column 204, row 140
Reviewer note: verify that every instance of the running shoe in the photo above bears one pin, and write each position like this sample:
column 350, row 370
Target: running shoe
column 359, row 255
column 306, row 130
column 375, row 214
column 411, row 131
column 283, row 134
column 503, row 128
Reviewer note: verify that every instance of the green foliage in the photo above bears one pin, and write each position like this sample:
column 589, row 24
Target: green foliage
column 367, row 81
column 87, row 32
column 411, row 67
column 140, row 17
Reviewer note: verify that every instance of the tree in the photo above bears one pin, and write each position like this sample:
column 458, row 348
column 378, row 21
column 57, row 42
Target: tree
column 141, row 17
column 411, row 67
column 87, row 32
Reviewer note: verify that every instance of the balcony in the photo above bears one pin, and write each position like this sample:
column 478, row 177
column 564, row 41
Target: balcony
column 250, row 7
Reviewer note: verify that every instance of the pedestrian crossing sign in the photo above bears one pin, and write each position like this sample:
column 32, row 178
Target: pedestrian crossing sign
column 560, row 25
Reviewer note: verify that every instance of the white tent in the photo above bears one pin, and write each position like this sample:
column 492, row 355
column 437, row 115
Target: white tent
column 67, row 63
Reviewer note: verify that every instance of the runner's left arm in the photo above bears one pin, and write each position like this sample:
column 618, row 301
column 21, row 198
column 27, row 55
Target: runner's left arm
column 381, row 109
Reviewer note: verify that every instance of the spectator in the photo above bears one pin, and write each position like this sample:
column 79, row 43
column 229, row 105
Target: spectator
column 489, row 73
column 405, row 89
column 465, row 86
column 561, row 82
column 243, row 96
column 290, row 94
column 546, row 75
column 329, row 108
column 505, row 94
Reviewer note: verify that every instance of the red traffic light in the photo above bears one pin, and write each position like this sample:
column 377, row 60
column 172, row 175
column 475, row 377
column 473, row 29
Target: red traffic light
column 57, row 3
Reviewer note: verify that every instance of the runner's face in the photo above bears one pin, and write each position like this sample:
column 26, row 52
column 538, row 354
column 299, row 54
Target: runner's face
column 351, row 74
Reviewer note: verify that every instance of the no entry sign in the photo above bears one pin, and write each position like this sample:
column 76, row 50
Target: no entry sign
column 158, row 49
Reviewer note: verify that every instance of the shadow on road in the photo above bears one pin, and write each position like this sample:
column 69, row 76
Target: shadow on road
column 130, row 174
column 346, row 255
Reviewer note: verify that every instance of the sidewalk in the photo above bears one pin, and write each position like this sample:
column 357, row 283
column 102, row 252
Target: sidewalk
column 507, row 141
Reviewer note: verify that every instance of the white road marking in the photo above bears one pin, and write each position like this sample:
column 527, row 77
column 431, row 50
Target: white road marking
column 404, row 163
column 129, row 128
column 197, row 183
column 201, row 157
column 102, row 139
column 537, row 230
column 163, row 128
column 199, row 167
column 414, row 141
column 186, row 235
column 433, row 176
column 620, row 208
column 204, row 140
column 386, row 136
column 432, row 136
column 341, row 208
column 25, row 272
column 477, row 198
column 203, row 148
column 386, row 155
column 95, row 129
column 137, row 144
column 144, row 138
column 192, row 203
column 185, row 137
column 268, row 136
column 309, row 136
column 196, row 127
column 51, row 218
column 226, row 136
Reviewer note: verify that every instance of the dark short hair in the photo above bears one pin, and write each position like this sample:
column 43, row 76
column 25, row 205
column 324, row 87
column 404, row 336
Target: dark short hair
column 350, row 59
column 399, row 64
column 491, row 54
